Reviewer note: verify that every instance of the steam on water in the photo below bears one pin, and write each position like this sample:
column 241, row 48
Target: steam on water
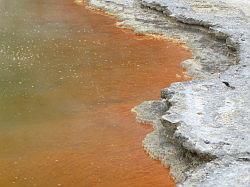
column 68, row 79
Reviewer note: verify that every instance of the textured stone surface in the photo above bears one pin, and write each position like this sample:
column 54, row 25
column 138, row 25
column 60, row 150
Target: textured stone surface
column 209, row 55
column 221, row 172
column 212, row 117
column 161, row 144
column 203, row 133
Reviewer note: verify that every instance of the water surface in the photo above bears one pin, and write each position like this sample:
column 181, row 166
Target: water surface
column 68, row 79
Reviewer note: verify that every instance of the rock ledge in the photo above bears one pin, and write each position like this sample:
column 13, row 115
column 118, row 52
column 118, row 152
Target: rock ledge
column 201, row 126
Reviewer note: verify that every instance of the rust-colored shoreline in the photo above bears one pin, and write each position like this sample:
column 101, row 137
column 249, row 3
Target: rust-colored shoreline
column 128, row 29
column 145, row 36
column 82, row 133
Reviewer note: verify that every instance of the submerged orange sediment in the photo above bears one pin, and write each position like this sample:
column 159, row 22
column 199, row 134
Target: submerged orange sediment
column 70, row 122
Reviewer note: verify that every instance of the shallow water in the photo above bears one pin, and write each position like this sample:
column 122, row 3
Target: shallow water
column 68, row 79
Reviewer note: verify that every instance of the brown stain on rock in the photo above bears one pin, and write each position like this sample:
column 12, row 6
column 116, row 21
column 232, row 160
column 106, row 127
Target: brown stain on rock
column 82, row 132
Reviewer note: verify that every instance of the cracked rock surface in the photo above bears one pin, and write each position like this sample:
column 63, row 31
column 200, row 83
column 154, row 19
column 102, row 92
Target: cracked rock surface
column 201, row 126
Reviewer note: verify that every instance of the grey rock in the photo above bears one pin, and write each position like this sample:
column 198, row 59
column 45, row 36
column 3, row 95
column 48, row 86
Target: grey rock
column 214, row 111
column 201, row 126
column 221, row 172
column 211, row 55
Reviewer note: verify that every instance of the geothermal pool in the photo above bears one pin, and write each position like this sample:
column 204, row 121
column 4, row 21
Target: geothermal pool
column 68, row 80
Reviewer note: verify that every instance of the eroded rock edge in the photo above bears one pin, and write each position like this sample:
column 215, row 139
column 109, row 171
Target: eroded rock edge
column 202, row 126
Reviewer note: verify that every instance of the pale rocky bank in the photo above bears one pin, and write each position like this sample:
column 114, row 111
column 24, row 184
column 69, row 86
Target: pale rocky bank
column 201, row 126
